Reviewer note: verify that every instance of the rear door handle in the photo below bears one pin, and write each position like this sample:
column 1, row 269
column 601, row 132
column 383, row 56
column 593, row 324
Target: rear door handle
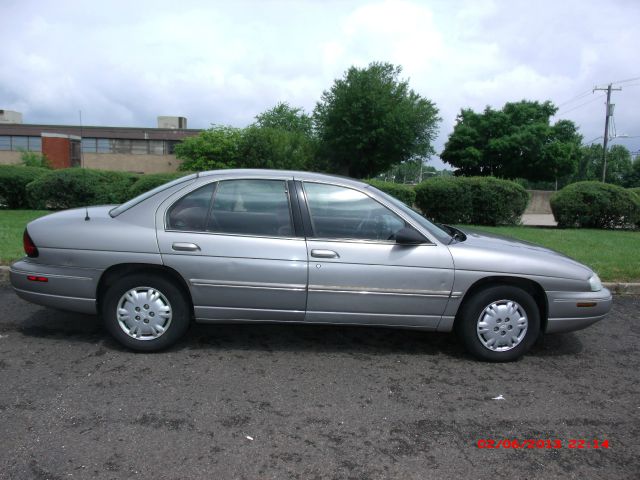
column 324, row 254
column 185, row 247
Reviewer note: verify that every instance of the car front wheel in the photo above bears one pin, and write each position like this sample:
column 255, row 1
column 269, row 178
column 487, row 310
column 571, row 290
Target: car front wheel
column 145, row 313
column 499, row 323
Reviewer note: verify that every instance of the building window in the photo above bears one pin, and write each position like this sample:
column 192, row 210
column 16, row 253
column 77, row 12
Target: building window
column 110, row 145
column 156, row 147
column 103, row 145
column 35, row 144
column 171, row 146
column 19, row 143
column 120, row 146
column 139, row 147
column 89, row 145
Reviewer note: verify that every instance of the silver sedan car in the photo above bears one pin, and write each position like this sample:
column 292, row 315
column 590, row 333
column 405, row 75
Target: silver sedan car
column 280, row 246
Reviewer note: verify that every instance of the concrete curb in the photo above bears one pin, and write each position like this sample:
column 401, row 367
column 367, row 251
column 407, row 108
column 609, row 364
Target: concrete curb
column 4, row 276
column 617, row 288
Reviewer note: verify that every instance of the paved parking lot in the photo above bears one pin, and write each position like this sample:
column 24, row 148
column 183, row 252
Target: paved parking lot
column 310, row 403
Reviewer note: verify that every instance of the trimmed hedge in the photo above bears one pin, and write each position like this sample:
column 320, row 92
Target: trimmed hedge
column 475, row 200
column 595, row 205
column 444, row 200
column 150, row 181
column 76, row 187
column 13, row 184
column 495, row 201
column 404, row 193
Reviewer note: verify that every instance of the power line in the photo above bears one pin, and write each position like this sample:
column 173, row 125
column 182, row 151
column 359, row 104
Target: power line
column 627, row 80
column 577, row 97
column 579, row 106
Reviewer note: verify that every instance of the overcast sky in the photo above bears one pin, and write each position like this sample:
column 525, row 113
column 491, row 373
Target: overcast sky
column 125, row 62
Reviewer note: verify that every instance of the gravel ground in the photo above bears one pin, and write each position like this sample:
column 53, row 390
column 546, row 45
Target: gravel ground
column 278, row 401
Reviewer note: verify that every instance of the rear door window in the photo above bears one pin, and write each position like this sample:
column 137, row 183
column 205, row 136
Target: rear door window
column 251, row 207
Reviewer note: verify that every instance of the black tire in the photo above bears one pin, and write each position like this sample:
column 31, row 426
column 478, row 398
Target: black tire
column 175, row 329
column 469, row 316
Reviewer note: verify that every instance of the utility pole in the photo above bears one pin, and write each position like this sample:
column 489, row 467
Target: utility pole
column 81, row 153
column 609, row 113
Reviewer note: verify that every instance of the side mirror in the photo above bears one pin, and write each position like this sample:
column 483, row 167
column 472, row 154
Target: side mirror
column 409, row 236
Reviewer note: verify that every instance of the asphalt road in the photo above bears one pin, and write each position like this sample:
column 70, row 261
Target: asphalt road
column 310, row 403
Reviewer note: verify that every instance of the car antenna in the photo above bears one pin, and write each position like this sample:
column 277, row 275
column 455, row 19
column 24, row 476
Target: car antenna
column 86, row 216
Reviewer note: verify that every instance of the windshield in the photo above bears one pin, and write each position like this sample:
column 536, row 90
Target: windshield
column 114, row 212
column 437, row 231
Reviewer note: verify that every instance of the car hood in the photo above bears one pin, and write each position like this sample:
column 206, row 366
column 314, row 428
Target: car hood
column 483, row 251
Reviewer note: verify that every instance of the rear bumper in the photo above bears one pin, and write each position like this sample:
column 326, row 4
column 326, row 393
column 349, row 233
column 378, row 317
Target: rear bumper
column 569, row 311
column 66, row 288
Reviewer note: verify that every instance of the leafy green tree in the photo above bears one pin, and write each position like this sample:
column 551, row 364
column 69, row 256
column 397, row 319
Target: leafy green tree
column 409, row 172
column 619, row 165
column 517, row 141
column 282, row 137
column 217, row 147
column 33, row 159
column 370, row 120
column 285, row 117
column 632, row 180
column 267, row 147
column 586, row 163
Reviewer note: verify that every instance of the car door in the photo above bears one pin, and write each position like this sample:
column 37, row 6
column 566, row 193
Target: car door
column 235, row 244
column 358, row 274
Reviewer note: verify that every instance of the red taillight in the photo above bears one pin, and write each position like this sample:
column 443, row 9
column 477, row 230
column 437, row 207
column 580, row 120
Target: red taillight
column 36, row 278
column 29, row 247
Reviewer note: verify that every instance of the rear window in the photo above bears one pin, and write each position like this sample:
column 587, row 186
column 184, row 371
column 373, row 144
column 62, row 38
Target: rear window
column 114, row 212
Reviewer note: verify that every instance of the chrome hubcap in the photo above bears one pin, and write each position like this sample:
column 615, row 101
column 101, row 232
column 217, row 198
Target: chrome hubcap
column 144, row 313
column 502, row 325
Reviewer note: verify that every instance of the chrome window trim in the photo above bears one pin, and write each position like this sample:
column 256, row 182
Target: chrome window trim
column 373, row 242
column 302, row 239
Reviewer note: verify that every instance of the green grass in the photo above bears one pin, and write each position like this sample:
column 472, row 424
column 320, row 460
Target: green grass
column 615, row 255
column 12, row 223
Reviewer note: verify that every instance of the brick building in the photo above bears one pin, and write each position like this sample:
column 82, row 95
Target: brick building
column 131, row 149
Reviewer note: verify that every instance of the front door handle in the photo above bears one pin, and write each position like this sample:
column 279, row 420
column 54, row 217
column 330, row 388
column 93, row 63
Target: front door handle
column 324, row 254
column 185, row 247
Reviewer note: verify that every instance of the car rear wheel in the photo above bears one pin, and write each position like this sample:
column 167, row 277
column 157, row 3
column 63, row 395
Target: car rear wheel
column 145, row 313
column 499, row 323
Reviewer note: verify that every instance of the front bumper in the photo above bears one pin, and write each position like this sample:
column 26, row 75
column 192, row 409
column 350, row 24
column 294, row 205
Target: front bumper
column 66, row 288
column 569, row 311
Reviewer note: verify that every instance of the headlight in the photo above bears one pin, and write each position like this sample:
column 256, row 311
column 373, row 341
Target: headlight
column 595, row 283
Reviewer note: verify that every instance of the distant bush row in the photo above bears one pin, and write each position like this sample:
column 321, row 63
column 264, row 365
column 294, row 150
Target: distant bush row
column 404, row 193
column 472, row 200
column 39, row 188
column 596, row 205
column 453, row 200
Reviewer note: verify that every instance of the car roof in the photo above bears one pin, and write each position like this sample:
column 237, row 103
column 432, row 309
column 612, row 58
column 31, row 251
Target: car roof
column 295, row 174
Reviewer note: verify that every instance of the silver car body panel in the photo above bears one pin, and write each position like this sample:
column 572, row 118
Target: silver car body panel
column 391, row 284
column 261, row 278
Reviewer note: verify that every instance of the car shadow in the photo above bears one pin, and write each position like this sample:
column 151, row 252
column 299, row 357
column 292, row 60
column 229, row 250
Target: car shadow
column 557, row 345
column 73, row 327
